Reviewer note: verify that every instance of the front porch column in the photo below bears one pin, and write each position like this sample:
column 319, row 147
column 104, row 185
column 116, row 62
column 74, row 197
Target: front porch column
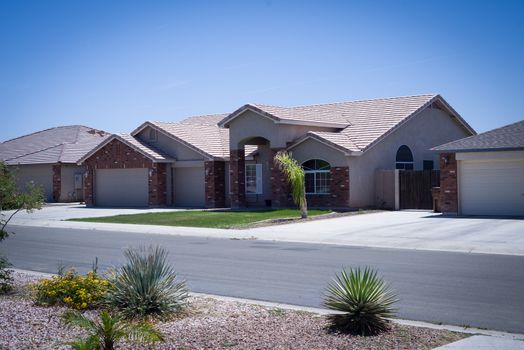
column 215, row 179
column 237, row 178
column 280, row 188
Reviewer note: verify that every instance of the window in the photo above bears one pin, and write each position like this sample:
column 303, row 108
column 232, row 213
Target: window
column 318, row 176
column 427, row 165
column 253, row 178
column 404, row 159
column 152, row 135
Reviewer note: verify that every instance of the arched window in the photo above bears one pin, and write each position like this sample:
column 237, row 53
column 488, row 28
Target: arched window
column 404, row 159
column 318, row 176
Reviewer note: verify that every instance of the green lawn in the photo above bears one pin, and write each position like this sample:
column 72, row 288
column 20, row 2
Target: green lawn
column 196, row 218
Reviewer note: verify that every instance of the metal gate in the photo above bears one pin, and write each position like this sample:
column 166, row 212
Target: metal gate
column 415, row 188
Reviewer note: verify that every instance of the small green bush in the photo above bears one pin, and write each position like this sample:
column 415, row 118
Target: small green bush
column 104, row 332
column 146, row 285
column 70, row 289
column 365, row 300
column 6, row 276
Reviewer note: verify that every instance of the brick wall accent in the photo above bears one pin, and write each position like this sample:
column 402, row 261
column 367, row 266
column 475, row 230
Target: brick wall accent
column 158, row 185
column 237, row 178
column 117, row 155
column 339, row 191
column 448, row 183
column 57, row 182
column 215, row 180
column 280, row 187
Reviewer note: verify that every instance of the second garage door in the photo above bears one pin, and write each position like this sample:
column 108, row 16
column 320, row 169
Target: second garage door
column 122, row 187
column 492, row 187
column 189, row 188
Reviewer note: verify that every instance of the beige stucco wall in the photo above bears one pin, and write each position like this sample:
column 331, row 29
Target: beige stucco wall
column 430, row 128
column 312, row 149
column 40, row 174
column 165, row 143
column 68, row 193
column 251, row 124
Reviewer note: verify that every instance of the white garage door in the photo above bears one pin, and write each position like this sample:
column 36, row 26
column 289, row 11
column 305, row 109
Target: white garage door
column 41, row 175
column 189, row 188
column 122, row 188
column 492, row 187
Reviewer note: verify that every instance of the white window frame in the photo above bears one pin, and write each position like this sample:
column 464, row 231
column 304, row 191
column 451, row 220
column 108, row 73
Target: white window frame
column 315, row 172
column 258, row 178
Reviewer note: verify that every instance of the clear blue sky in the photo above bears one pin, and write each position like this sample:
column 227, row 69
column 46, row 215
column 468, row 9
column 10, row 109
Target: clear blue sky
column 114, row 64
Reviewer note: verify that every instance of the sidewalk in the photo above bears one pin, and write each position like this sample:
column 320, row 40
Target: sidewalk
column 419, row 230
column 483, row 342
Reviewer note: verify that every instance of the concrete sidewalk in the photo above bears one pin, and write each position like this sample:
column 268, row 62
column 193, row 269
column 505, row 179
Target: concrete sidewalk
column 483, row 342
column 420, row 230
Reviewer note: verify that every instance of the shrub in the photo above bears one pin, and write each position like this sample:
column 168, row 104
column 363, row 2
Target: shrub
column 146, row 285
column 6, row 275
column 70, row 289
column 365, row 300
column 107, row 330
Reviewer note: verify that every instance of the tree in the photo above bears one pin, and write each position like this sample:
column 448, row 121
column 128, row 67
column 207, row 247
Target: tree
column 103, row 333
column 296, row 177
column 13, row 198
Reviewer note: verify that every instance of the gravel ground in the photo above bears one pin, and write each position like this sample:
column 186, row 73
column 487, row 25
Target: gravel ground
column 209, row 324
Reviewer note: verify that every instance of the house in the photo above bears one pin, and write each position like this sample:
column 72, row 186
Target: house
column 49, row 158
column 227, row 159
column 484, row 174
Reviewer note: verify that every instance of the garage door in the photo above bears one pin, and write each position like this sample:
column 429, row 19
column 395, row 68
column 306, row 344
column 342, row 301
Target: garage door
column 189, row 187
column 41, row 175
column 492, row 187
column 122, row 187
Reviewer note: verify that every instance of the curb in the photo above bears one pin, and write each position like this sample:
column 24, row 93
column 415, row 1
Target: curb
column 321, row 311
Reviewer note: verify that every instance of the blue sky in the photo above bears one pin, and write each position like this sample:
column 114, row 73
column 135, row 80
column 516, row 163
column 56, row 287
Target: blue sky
column 114, row 64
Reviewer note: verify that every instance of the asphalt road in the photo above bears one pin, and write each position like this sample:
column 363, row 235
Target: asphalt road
column 477, row 290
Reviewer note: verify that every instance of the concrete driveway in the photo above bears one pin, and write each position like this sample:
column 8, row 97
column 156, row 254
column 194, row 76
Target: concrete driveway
column 422, row 230
column 410, row 230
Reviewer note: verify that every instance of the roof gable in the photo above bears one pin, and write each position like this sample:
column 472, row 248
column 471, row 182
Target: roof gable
column 141, row 147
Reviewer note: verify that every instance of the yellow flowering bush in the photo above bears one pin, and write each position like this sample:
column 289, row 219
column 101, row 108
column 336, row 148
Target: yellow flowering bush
column 70, row 289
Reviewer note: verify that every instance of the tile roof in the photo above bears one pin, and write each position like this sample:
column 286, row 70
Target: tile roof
column 205, row 138
column 144, row 148
column 361, row 122
column 211, row 119
column 509, row 137
column 66, row 144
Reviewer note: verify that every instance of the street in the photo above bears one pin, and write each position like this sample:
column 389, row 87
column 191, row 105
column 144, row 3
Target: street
column 477, row 290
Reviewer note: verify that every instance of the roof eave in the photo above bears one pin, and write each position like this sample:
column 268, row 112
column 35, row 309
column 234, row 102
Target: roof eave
column 345, row 151
column 473, row 150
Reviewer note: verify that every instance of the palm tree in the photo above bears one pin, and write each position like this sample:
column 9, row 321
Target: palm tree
column 105, row 332
column 296, row 177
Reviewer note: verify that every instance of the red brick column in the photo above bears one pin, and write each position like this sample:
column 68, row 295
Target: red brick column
column 448, row 184
column 157, row 185
column 338, row 196
column 237, row 166
column 57, row 182
column 215, row 179
column 280, row 187
column 88, row 186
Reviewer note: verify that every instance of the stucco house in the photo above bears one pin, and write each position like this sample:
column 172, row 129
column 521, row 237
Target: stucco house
column 484, row 174
column 49, row 159
column 227, row 159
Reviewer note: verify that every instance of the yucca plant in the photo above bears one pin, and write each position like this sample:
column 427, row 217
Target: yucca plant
column 364, row 299
column 146, row 285
column 296, row 177
column 106, row 331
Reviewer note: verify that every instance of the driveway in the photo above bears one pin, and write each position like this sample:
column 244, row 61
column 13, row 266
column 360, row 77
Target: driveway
column 422, row 230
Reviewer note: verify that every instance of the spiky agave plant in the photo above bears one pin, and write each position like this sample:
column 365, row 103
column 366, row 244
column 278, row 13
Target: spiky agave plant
column 146, row 284
column 364, row 299
column 296, row 177
column 106, row 331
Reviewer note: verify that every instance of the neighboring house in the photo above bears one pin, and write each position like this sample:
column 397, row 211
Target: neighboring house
column 49, row 158
column 484, row 174
column 227, row 160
